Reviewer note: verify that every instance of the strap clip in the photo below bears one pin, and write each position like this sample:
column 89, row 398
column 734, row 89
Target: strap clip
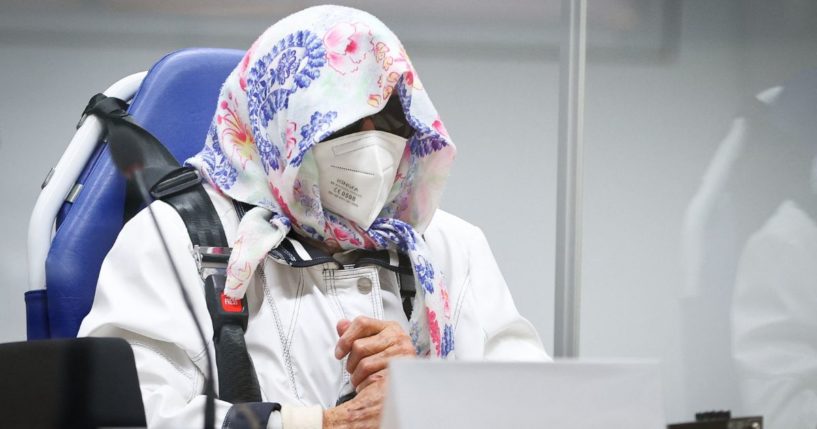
column 212, row 265
column 223, row 309
column 178, row 180
column 211, row 260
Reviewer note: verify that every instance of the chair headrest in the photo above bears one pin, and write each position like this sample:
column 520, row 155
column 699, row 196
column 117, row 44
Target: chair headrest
column 176, row 103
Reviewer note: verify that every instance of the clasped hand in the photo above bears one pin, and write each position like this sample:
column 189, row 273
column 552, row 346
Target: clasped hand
column 369, row 344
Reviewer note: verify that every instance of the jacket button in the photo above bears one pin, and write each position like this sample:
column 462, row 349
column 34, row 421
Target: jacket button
column 364, row 285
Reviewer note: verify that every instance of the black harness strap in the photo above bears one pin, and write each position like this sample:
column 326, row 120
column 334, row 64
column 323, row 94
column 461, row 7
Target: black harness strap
column 237, row 380
column 193, row 205
column 408, row 289
column 181, row 188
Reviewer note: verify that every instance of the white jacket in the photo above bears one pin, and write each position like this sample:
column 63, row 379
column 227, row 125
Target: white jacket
column 291, row 333
column 774, row 321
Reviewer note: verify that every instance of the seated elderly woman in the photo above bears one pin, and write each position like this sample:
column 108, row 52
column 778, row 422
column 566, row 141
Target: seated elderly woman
column 325, row 134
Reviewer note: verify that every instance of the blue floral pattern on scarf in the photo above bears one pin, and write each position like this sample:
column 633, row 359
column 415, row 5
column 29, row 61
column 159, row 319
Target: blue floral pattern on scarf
column 287, row 66
column 424, row 272
column 425, row 139
column 316, row 130
column 448, row 340
column 385, row 231
column 269, row 85
column 223, row 173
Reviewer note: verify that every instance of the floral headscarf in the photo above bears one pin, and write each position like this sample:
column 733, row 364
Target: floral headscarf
column 307, row 76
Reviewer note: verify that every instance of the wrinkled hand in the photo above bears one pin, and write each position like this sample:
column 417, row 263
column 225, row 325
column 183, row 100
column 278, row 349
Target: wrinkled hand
column 361, row 412
column 371, row 344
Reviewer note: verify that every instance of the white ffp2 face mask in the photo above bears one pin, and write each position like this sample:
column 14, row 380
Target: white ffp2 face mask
column 356, row 172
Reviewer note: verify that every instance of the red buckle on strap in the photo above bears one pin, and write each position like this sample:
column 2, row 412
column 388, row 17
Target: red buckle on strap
column 231, row 305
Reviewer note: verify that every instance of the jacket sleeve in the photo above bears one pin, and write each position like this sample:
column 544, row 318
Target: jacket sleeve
column 137, row 298
column 508, row 335
column 774, row 329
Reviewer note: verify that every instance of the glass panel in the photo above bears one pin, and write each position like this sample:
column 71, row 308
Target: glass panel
column 700, row 242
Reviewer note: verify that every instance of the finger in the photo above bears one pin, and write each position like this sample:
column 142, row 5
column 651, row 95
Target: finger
column 366, row 347
column 361, row 327
column 369, row 366
column 366, row 409
column 342, row 326
column 374, row 378
column 392, row 339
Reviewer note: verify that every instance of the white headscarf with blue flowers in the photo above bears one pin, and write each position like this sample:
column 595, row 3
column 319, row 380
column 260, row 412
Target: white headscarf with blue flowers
column 307, row 76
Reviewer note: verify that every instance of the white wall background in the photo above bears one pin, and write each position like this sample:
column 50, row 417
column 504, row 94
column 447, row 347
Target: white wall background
column 652, row 123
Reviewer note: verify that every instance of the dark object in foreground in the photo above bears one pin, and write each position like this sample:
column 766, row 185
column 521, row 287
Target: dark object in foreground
column 85, row 382
column 720, row 420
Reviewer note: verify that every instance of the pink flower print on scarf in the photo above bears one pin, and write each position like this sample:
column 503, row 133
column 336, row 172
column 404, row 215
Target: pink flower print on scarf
column 241, row 271
column 233, row 133
column 347, row 45
column 289, row 138
column 243, row 66
column 434, row 330
column 446, row 305
column 438, row 125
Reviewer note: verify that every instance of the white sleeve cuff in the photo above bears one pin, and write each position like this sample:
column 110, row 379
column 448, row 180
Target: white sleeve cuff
column 295, row 417
column 274, row 421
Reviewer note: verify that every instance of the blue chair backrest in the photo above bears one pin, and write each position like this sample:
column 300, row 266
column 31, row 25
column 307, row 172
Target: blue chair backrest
column 175, row 102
